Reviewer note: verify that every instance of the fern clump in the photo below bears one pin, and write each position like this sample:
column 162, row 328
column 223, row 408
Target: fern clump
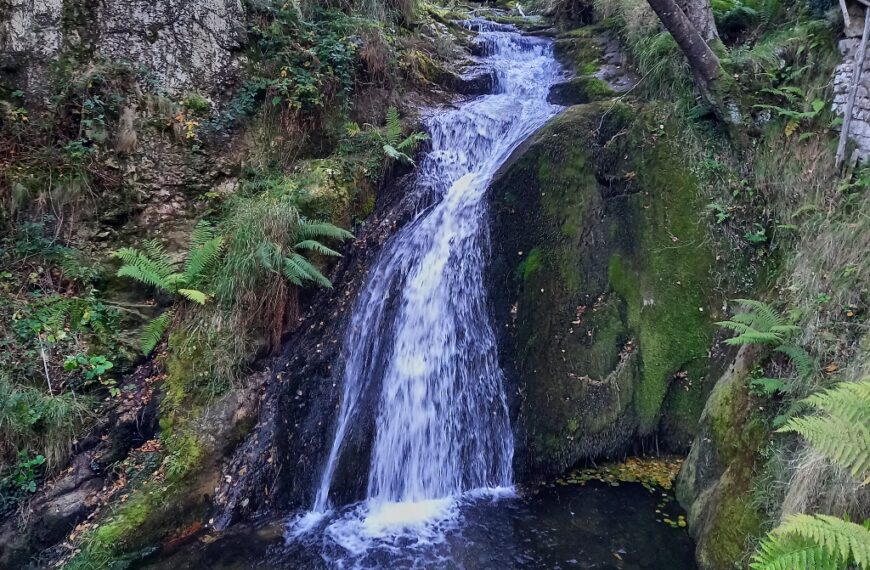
column 395, row 147
column 758, row 323
column 270, row 246
column 152, row 266
column 810, row 542
column 841, row 428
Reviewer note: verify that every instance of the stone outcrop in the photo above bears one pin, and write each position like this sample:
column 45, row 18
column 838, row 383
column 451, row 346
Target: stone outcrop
column 176, row 44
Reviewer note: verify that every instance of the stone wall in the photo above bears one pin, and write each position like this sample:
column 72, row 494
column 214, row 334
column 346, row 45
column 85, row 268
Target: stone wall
column 177, row 45
column 859, row 127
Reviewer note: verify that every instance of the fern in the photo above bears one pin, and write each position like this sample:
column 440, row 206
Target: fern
column 205, row 248
column 393, row 145
column 393, row 128
column 153, row 267
column 804, row 364
column 759, row 323
column 308, row 230
column 193, row 295
column 814, row 541
column 842, row 431
column 154, row 331
column 314, row 245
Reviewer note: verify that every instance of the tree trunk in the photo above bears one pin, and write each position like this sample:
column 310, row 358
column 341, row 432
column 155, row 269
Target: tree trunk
column 700, row 14
column 702, row 60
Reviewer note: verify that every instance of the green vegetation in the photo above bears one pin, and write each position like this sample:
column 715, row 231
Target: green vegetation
column 840, row 433
column 151, row 266
column 394, row 145
column 814, row 542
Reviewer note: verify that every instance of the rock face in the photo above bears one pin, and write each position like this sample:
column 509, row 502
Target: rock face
column 716, row 480
column 177, row 44
column 598, row 285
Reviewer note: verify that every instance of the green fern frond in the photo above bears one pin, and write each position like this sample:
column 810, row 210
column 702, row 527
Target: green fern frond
column 311, row 272
column 768, row 386
column 393, row 128
column 145, row 274
column 791, row 553
column 842, row 432
column 313, row 230
column 153, row 332
column 411, row 141
column 293, row 272
column 201, row 258
column 765, row 315
column 758, row 324
column 395, row 154
column 194, row 295
column 842, row 540
column 203, row 232
column 315, row 245
column 804, row 364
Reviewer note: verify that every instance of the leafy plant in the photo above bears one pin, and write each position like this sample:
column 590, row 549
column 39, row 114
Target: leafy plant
column 721, row 212
column 756, row 236
column 394, row 145
column 814, row 542
column 153, row 267
column 841, row 429
column 93, row 369
column 793, row 96
column 758, row 323
column 24, row 472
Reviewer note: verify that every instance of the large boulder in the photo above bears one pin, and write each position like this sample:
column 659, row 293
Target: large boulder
column 599, row 286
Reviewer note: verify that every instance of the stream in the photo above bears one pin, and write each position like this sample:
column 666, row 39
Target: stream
column 440, row 490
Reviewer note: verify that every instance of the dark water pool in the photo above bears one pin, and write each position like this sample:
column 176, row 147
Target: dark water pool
column 555, row 527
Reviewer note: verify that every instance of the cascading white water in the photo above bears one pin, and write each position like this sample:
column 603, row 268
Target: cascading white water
column 420, row 327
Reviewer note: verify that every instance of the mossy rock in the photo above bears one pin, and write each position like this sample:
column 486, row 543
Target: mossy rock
column 579, row 90
column 578, row 50
column 717, row 478
column 601, row 241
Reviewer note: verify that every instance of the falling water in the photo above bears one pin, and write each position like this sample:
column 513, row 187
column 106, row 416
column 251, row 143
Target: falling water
column 420, row 329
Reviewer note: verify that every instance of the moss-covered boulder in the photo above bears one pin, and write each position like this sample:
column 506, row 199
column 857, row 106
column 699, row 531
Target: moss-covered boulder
column 579, row 90
column 716, row 480
column 599, row 286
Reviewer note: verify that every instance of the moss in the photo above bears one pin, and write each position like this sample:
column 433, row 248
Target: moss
column 530, row 265
column 665, row 280
column 580, row 90
column 578, row 51
column 617, row 303
column 736, row 521
column 559, row 195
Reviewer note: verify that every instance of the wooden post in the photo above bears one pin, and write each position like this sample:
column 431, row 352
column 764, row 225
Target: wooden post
column 857, row 69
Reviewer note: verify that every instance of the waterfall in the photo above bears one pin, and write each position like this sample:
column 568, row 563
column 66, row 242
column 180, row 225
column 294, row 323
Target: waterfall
column 420, row 331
